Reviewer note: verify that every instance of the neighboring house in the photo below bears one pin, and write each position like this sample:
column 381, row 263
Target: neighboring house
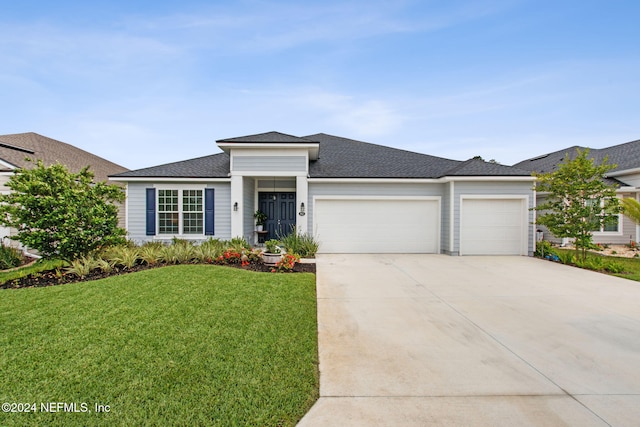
column 16, row 148
column 626, row 176
column 351, row 195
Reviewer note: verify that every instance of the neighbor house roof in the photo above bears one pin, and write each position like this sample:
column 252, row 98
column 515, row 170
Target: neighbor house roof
column 624, row 156
column 15, row 149
column 338, row 158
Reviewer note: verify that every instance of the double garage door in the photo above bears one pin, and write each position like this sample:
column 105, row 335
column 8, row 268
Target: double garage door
column 389, row 225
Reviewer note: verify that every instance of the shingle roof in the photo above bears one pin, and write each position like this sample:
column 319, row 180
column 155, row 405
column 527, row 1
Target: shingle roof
column 268, row 137
column 213, row 166
column 15, row 148
column 348, row 158
column 338, row 158
column 478, row 167
column 625, row 156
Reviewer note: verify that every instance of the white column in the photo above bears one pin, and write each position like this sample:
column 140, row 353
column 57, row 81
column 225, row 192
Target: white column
column 302, row 196
column 237, row 226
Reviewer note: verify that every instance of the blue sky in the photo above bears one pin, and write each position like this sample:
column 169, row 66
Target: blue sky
column 143, row 83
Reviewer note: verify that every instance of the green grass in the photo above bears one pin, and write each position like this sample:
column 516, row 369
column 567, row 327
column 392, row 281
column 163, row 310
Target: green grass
column 182, row 345
column 631, row 265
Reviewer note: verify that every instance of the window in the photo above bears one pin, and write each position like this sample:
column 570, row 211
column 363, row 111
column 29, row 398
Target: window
column 610, row 226
column 192, row 207
column 180, row 212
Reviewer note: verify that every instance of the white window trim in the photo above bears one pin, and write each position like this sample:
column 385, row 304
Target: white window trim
column 180, row 234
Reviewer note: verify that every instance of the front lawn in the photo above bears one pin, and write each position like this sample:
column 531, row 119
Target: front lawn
column 631, row 266
column 179, row 345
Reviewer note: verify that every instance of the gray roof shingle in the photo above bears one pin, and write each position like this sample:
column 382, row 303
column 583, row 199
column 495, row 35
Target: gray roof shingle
column 213, row 166
column 625, row 156
column 268, row 137
column 338, row 158
column 16, row 148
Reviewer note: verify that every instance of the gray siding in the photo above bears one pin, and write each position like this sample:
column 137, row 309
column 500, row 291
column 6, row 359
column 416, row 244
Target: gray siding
column 270, row 163
column 137, row 210
column 492, row 188
column 378, row 189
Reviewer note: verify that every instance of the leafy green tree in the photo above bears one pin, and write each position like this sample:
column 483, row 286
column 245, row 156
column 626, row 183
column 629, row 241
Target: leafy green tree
column 60, row 213
column 579, row 201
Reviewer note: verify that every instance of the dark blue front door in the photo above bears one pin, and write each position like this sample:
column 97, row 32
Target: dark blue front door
column 281, row 213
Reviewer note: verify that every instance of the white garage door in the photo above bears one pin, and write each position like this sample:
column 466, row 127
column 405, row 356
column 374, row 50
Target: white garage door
column 377, row 225
column 493, row 227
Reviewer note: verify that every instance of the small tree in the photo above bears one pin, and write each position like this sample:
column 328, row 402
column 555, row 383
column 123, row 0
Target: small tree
column 579, row 201
column 59, row 213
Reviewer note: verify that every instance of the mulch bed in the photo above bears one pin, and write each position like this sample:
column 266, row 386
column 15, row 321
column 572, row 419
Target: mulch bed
column 54, row 277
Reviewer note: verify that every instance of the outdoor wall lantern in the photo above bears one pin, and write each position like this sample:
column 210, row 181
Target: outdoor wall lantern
column 235, row 206
column 302, row 209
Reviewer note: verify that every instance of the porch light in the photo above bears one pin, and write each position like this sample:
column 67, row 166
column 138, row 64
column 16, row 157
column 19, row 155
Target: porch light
column 235, row 206
column 302, row 209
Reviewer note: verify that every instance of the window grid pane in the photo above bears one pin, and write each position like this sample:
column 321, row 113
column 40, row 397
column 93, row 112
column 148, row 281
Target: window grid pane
column 168, row 201
column 192, row 201
column 168, row 223
column 193, row 223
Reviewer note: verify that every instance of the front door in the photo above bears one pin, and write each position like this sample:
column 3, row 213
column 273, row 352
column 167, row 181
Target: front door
column 281, row 213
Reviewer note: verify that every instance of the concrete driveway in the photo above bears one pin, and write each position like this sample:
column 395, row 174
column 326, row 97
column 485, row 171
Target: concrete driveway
column 474, row 341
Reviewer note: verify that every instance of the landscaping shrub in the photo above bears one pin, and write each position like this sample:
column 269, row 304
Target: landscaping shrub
column 180, row 252
column 123, row 256
column 286, row 263
column 59, row 213
column 151, row 253
column 566, row 257
column 81, row 267
column 238, row 244
column 9, row 257
column 544, row 248
column 302, row 244
column 614, row 267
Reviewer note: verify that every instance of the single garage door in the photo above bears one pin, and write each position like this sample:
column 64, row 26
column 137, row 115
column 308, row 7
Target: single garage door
column 493, row 227
column 377, row 225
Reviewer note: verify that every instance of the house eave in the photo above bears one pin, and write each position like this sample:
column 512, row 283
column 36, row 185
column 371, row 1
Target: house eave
column 515, row 178
column 166, row 179
column 623, row 172
column 312, row 147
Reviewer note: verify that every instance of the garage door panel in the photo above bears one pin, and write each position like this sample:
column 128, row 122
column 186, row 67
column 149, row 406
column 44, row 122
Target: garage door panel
column 492, row 227
column 377, row 226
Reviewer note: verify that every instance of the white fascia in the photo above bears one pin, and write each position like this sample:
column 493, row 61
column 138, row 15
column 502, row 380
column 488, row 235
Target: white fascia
column 490, row 178
column 377, row 180
column 7, row 165
column 624, row 172
column 426, row 180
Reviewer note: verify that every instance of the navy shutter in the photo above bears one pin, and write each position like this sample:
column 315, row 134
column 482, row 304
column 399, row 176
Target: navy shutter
column 208, row 211
column 151, row 211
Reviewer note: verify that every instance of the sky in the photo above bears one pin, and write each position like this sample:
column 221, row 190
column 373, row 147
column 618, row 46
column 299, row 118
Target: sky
column 144, row 83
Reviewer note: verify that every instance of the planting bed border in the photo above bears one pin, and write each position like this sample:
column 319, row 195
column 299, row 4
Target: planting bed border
column 58, row 277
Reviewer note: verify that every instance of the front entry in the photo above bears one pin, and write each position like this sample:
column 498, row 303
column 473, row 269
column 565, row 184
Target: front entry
column 280, row 208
